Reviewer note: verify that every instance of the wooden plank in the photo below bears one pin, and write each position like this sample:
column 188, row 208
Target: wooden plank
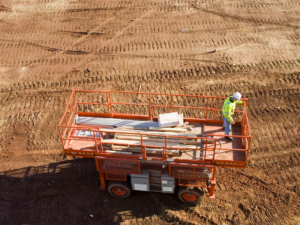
column 125, row 147
column 177, row 130
column 132, row 128
column 149, row 132
column 157, row 151
column 124, row 127
column 139, row 149
column 209, row 141
column 93, row 147
column 150, row 138
column 159, row 144
column 118, row 152
column 183, row 141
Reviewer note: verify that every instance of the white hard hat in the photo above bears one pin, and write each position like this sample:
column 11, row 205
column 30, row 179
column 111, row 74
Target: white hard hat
column 237, row 95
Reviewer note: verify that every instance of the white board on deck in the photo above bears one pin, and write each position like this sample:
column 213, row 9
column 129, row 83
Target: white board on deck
column 168, row 119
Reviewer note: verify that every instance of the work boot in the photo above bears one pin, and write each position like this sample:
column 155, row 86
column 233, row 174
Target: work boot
column 229, row 138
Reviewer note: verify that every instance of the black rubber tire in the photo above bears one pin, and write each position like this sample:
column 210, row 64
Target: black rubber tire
column 208, row 183
column 192, row 191
column 124, row 185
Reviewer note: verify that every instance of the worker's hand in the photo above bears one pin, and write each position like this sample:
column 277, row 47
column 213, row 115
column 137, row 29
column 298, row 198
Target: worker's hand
column 233, row 122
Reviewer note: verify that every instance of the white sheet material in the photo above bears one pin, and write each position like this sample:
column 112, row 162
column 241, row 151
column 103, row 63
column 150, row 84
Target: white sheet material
column 168, row 119
column 180, row 118
column 115, row 122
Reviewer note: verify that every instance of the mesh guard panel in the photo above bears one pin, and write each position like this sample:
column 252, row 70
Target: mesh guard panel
column 116, row 176
column 193, row 172
column 119, row 165
column 203, row 172
column 128, row 166
column 190, row 182
column 182, row 171
column 106, row 164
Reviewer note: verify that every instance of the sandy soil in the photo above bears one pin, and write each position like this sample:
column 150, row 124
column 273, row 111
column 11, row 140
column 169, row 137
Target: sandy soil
column 208, row 47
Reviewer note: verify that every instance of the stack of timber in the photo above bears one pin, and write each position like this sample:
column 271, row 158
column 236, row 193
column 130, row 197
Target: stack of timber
column 129, row 143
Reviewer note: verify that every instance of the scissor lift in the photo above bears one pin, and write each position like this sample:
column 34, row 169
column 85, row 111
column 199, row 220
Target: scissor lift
column 120, row 130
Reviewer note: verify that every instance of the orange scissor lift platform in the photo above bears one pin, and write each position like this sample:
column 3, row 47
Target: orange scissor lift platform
column 120, row 130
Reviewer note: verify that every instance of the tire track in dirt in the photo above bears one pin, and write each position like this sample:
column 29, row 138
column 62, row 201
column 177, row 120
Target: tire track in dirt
column 172, row 44
column 139, row 17
column 53, row 57
column 59, row 52
column 266, row 194
column 206, row 72
column 280, row 22
column 280, row 170
column 142, row 52
column 86, row 36
column 33, row 112
column 154, row 45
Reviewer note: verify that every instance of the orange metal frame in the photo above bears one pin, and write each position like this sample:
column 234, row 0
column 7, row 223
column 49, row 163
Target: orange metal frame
column 213, row 170
column 101, row 152
column 67, row 126
column 115, row 163
column 72, row 106
column 104, row 173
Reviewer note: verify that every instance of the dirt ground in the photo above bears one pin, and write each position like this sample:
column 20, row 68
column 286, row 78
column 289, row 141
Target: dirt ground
column 205, row 47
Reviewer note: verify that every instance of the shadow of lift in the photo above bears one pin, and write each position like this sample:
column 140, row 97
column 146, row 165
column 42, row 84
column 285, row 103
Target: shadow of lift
column 69, row 191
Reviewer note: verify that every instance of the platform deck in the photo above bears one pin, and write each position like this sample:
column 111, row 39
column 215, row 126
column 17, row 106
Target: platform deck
column 81, row 143
column 223, row 143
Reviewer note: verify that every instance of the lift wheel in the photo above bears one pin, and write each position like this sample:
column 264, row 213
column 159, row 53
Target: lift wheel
column 119, row 189
column 190, row 195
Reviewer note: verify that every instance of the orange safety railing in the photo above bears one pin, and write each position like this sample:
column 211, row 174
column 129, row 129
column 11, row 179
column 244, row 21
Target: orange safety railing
column 245, row 134
column 99, row 141
column 77, row 106
column 210, row 103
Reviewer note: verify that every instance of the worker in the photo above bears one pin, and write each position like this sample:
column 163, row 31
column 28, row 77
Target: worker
column 228, row 111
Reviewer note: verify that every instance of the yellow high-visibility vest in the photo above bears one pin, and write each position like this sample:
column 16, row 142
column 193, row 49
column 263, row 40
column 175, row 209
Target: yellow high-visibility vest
column 229, row 107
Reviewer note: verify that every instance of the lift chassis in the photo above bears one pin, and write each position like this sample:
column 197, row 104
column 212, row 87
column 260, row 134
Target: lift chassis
column 133, row 154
